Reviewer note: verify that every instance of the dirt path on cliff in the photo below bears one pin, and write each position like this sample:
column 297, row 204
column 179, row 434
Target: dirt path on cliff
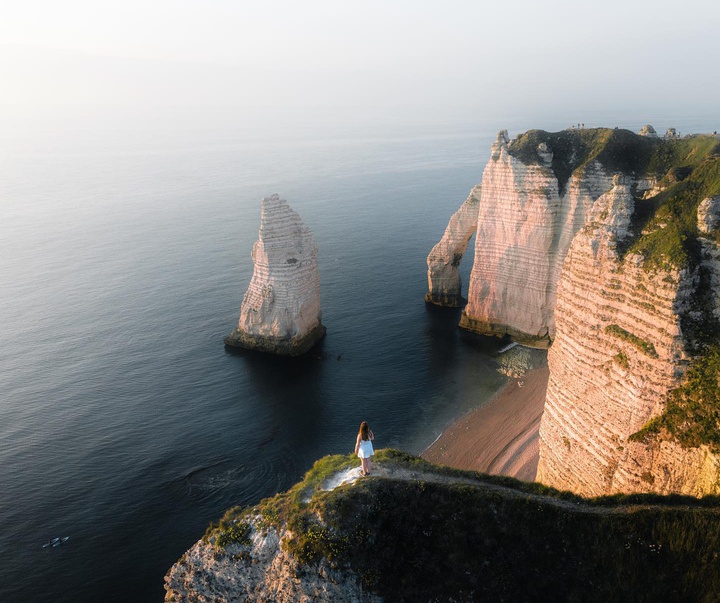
column 393, row 472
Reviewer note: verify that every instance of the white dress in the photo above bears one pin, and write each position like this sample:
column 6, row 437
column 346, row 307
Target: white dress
column 365, row 450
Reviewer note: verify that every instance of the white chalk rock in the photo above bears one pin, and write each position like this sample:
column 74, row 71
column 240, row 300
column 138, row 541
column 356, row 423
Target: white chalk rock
column 525, row 226
column 617, row 353
column 444, row 281
column 708, row 214
column 258, row 571
column 280, row 312
column 648, row 131
column 545, row 154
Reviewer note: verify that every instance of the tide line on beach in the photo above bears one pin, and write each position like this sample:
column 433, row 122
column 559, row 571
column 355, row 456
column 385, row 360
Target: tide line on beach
column 500, row 437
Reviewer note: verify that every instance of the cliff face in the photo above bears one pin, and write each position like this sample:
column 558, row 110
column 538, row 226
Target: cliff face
column 280, row 311
column 633, row 390
column 526, row 220
column 444, row 282
column 257, row 569
column 619, row 350
column 606, row 243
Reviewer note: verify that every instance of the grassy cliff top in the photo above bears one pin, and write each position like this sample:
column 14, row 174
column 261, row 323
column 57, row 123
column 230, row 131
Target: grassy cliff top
column 429, row 533
column 617, row 150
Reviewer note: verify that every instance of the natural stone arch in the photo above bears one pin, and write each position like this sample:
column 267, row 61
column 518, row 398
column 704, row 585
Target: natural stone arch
column 444, row 280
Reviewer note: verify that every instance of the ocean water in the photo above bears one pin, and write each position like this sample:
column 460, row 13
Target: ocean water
column 124, row 422
column 124, row 254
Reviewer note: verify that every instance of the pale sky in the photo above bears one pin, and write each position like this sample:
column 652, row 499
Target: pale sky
column 414, row 57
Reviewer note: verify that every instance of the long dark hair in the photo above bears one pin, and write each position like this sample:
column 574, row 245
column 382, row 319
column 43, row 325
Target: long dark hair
column 364, row 431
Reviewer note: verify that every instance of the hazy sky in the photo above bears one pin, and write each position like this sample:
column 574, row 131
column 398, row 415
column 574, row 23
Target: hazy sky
column 450, row 58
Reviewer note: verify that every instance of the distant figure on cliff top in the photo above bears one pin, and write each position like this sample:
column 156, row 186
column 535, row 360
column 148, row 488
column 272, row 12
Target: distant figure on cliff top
column 364, row 448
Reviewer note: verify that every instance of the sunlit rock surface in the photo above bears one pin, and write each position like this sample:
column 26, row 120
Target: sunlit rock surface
column 648, row 131
column 526, row 221
column 619, row 349
column 280, row 311
column 444, row 282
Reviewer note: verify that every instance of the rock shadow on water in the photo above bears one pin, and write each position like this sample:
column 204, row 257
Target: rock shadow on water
column 448, row 345
column 290, row 388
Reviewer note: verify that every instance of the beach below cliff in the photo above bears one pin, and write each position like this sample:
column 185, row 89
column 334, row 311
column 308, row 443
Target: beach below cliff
column 502, row 436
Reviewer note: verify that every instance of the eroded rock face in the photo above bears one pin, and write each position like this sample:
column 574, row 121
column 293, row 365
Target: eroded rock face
column 258, row 572
column 648, row 131
column 280, row 311
column 444, row 281
column 618, row 351
column 524, row 229
column 708, row 214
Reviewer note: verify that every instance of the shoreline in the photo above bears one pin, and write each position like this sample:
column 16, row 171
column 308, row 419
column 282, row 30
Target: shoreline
column 502, row 436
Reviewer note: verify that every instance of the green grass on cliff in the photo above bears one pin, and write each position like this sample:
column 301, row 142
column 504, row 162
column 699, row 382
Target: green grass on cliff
column 501, row 539
column 692, row 411
column 645, row 347
column 688, row 169
column 617, row 150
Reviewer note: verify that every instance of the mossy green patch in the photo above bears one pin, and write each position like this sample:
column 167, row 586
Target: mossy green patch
column 232, row 529
column 645, row 347
column 692, row 411
column 622, row 360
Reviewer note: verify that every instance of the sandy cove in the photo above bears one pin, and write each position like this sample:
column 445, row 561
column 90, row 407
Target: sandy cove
column 500, row 437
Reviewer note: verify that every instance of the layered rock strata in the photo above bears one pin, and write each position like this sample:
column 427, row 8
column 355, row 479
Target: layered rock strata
column 619, row 350
column 527, row 218
column 280, row 311
column 257, row 571
column 444, row 281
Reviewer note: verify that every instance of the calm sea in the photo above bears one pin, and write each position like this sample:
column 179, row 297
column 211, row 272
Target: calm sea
column 124, row 422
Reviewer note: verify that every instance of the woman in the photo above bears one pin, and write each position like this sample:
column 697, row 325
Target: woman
column 364, row 447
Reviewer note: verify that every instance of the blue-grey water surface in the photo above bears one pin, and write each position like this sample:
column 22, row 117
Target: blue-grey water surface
column 124, row 422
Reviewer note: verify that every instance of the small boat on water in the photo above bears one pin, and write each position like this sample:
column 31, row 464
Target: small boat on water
column 56, row 542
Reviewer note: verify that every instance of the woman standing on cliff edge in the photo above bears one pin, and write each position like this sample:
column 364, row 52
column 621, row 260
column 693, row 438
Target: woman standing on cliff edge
column 364, row 447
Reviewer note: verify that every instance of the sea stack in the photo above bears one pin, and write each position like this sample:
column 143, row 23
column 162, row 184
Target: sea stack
column 280, row 311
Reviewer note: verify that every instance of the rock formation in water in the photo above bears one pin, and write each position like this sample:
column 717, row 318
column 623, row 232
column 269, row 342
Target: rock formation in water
column 444, row 282
column 280, row 312
column 531, row 205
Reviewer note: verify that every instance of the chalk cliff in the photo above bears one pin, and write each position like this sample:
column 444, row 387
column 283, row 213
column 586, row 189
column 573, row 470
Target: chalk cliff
column 619, row 350
column 280, row 311
column 444, row 282
column 257, row 569
column 605, row 243
column 634, row 368
column 531, row 205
